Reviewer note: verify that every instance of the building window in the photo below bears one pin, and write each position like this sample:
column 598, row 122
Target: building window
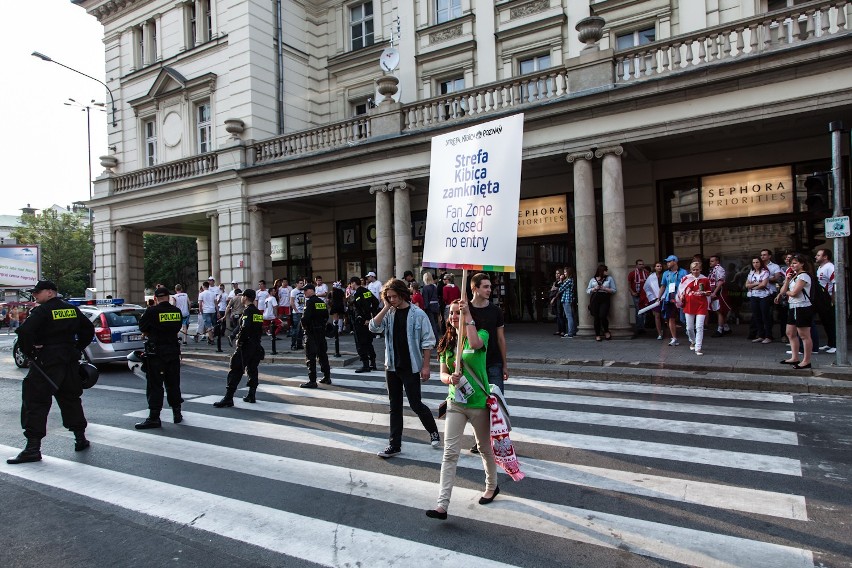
column 150, row 129
column 138, row 47
column 635, row 38
column 538, row 89
column 453, row 109
column 198, row 22
column 203, row 127
column 446, row 10
column 361, row 25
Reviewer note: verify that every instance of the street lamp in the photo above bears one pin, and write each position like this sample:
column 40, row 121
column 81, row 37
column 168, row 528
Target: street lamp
column 87, row 108
column 112, row 98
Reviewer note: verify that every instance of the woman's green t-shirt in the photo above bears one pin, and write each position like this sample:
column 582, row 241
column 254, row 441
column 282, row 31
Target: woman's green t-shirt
column 473, row 362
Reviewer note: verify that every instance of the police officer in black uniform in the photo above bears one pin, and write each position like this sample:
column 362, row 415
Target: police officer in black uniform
column 316, row 347
column 161, row 324
column 53, row 337
column 247, row 354
column 364, row 307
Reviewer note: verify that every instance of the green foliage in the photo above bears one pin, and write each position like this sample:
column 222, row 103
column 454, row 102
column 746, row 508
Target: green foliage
column 171, row 260
column 66, row 248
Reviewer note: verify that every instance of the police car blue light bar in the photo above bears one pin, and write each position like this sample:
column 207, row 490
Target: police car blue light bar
column 96, row 301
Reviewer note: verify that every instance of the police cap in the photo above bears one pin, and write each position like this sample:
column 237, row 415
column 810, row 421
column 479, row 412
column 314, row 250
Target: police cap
column 249, row 293
column 42, row 285
column 309, row 287
column 161, row 292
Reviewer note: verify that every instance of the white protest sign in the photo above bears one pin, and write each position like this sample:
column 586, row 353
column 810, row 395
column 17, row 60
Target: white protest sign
column 474, row 191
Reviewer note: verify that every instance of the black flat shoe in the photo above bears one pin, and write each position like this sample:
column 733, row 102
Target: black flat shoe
column 786, row 362
column 797, row 366
column 433, row 514
column 487, row 500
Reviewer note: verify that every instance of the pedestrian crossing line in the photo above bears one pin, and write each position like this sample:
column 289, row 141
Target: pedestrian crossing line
column 648, row 538
column 299, row 536
column 577, row 384
column 580, row 417
column 686, row 491
column 720, row 458
column 116, row 388
column 627, row 403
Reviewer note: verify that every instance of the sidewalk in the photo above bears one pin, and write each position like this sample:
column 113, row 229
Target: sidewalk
column 729, row 362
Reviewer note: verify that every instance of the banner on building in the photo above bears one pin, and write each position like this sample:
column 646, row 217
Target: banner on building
column 20, row 266
column 751, row 193
column 474, row 191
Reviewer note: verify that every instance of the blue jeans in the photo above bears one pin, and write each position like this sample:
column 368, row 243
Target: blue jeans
column 570, row 324
column 495, row 375
column 298, row 332
column 640, row 318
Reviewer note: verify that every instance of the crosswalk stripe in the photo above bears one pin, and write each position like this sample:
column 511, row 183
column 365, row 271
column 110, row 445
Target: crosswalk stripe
column 693, row 547
column 673, row 489
column 658, row 406
column 279, row 531
column 558, row 415
column 720, row 458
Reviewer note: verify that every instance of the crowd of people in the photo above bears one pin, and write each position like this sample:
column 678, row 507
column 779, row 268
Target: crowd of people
column 696, row 299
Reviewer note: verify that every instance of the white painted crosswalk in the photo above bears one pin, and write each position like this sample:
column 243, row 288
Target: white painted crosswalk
column 668, row 473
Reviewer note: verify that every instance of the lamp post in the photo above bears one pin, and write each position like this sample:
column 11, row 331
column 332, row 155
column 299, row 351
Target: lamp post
column 88, row 109
column 111, row 97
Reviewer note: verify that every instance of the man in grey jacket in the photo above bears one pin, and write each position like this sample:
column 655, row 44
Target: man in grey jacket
column 408, row 346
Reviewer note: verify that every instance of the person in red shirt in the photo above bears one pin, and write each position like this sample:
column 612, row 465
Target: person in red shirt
column 693, row 293
column 450, row 292
column 416, row 296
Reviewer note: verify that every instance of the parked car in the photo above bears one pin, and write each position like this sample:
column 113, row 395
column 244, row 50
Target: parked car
column 116, row 331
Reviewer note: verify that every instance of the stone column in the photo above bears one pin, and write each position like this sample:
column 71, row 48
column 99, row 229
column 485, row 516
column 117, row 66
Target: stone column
column 257, row 266
column 200, row 22
column 384, row 243
column 122, row 263
column 615, row 236
column 215, row 253
column 401, row 226
column 585, row 234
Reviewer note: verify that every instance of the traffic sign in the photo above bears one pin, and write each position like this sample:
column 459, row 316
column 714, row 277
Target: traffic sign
column 837, row 227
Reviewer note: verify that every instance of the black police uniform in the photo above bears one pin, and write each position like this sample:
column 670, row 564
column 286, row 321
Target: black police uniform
column 247, row 356
column 53, row 337
column 316, row 347
column 364, row 307
column 161, row 323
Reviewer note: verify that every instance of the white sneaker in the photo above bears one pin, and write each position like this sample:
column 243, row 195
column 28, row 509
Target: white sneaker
column 823, row 348
column 673, row 343
column 691, row 346
column 659, row 338
column 435, row 440
column 767, row 340
column 698, row 351
column 831, row 350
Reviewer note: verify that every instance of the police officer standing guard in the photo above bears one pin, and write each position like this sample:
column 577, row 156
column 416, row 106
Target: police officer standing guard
column 313, row 322
column 53, row 338
column 247, row 354
column 161, row 324
column 364, row 307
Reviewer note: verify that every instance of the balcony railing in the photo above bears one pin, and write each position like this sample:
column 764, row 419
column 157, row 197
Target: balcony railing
column 322, row 138
column 164, row 173
column 534, row 88
column 739, row 39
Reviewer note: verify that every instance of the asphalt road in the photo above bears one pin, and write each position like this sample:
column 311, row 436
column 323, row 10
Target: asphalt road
column 617, row 475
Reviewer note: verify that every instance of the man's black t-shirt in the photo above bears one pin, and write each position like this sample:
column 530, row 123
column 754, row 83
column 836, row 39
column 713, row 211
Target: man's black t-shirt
column 401, row 357
column 489, row 318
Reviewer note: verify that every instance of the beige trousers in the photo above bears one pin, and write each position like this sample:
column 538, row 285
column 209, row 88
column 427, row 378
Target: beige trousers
column 454, row 423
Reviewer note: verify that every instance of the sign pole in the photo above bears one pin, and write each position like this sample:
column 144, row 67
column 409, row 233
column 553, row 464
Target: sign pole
column 836, row 129
column 461, row 333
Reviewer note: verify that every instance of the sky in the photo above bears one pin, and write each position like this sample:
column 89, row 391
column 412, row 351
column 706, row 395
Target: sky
column 44, row 147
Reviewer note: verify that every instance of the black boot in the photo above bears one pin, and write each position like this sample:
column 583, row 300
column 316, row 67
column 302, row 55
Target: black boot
column 80, row 441
column 365, row 367
column 373, row 365
column 226, row 402
column 250, row 396
column 326, row 380
column 31, row 453
column 177, row 417
column 153, row 421
column 311, row 384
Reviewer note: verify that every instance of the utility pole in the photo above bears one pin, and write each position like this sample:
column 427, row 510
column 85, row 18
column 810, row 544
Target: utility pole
column 836, row 129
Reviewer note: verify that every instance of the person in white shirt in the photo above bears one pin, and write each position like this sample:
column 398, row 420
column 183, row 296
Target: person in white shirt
column 298, row 303
column 825, row 276
column 233, row 292
column 653, row 293
column 207, row 307
column 262, row 294
column 374, row 286
column 799, row 289
column 321, row 290
column 284, row 290
column 270, row 312
column 221, row 301
column 776, row 278
column 181, row 301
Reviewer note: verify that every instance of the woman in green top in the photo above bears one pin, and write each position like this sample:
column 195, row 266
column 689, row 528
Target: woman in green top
column 462, row 409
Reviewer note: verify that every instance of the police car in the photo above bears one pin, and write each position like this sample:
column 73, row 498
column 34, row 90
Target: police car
column 116, row 331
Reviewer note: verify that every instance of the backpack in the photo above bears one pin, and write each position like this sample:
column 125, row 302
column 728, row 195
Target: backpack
column 820, row 299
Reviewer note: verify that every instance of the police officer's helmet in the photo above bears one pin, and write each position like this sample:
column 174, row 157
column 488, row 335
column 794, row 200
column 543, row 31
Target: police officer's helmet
column 134, row 363
column 88, row 374
column 330, row 330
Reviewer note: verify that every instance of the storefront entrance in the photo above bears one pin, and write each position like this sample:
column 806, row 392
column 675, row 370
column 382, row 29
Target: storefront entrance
column 528, row 287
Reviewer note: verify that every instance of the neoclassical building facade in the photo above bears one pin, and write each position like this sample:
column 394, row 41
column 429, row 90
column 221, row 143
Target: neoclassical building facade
column 268, row 131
